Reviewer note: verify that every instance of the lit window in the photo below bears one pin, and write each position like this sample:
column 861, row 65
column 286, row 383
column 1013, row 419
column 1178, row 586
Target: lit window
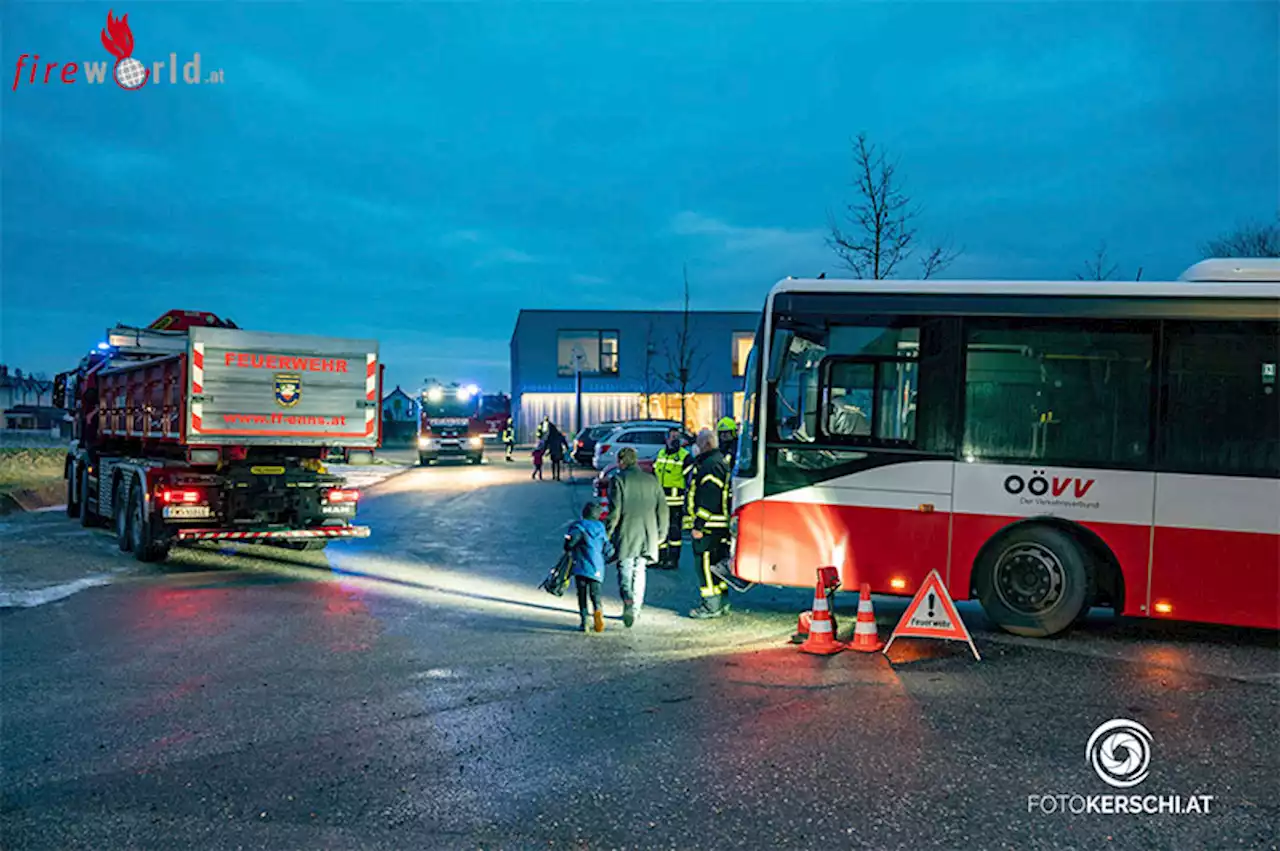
column 743, row 341
column 591, row 352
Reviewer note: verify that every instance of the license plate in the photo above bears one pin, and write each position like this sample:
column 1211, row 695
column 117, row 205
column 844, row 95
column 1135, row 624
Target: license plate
column 187, row 512
column 449, row 444
column 344, row 508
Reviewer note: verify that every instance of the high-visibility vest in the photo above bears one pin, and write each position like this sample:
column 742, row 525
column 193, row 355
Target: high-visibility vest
column 670, row 468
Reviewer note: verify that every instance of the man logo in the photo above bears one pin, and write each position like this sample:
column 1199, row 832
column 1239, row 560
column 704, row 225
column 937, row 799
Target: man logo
column 288, row 389
column 1120, row 752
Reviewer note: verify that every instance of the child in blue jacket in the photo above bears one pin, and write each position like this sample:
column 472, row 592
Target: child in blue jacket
column 591, row 549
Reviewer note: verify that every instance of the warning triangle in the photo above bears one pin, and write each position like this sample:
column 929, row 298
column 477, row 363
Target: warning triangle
column 932, row 614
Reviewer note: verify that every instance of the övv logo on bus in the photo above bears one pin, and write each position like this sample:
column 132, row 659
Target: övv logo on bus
column 1120, row 752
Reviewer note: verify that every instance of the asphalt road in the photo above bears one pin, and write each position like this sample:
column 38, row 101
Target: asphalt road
column 415, row 690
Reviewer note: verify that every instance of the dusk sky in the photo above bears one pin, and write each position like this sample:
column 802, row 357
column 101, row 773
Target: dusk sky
column 420, row 172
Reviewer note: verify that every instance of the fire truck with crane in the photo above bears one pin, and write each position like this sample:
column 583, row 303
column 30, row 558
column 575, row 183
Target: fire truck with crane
column 451, row 425
column 192, row 430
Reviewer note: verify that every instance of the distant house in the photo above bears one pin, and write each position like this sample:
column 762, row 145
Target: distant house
column 37, row 418
column 399, row 419
column 399, row 407
column 19, row 390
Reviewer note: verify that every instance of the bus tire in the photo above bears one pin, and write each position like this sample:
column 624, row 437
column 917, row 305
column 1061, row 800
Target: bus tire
column 124, row 537
column 146, row 546
column 1034, row 580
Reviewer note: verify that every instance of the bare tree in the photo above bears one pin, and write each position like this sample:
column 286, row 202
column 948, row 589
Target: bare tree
column 1101, row 268
column 1256, row 239
column 879, row 231
column 647, row 382
column 684, row 360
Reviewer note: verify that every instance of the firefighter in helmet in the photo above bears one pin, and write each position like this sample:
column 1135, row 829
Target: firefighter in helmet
column 672, row 467
column 727, row 437
column 509, row 438
column 708, row 503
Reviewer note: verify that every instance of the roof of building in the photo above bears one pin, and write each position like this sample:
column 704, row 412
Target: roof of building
column 751, row 317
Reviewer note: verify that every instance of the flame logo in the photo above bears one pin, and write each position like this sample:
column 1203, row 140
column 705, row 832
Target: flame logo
column 117, row 38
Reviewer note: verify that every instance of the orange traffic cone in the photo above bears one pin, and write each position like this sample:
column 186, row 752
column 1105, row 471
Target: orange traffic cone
column 802, row 628
column 822, row 637
column 865, row 636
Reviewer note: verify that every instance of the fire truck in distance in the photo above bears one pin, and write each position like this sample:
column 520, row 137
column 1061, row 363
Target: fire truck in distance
column 191, row 430
column 495, row 410
column 451, row 425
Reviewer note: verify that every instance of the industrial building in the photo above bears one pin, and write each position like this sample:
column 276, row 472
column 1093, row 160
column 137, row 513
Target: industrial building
column 629, row 364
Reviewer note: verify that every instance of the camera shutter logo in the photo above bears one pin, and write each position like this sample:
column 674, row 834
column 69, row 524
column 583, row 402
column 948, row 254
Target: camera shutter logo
column 1120, row 752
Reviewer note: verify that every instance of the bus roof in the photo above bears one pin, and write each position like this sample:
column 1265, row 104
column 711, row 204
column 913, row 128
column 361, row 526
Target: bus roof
column 1226, row 278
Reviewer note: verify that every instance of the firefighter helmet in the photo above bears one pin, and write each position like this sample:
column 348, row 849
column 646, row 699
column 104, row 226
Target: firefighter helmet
column 727, row 424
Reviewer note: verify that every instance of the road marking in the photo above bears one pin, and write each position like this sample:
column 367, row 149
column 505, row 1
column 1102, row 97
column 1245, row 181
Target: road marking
column 30, row 597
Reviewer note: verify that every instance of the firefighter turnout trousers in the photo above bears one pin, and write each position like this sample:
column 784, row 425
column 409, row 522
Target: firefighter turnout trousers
column 708, row 503
column 669, row 550
column 673, row 467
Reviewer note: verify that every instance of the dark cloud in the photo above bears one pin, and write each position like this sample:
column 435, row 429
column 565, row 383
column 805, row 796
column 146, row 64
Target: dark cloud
column 419, row 172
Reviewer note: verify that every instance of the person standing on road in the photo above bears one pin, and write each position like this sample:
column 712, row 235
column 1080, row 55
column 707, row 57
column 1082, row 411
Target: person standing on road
column 538, row 451
column 727, row 437
column 708, row 502
column 636, row 527
column 556, row 448
column 672, row 467
column 591, row 549
column 509, row 439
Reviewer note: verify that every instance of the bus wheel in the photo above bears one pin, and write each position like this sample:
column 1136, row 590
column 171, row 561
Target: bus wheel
column 1033, row 581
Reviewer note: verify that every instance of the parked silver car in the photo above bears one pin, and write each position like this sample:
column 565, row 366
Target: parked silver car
column 646, row 438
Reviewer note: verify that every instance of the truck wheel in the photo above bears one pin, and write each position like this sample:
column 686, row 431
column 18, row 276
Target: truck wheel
column 142, row 541
column 73, row 507
column 88, row 517
column 124, row 539
column 1034, row 581
column 477, row 459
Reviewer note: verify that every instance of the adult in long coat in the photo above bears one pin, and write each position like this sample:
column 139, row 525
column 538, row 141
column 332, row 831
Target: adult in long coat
column 636, row 526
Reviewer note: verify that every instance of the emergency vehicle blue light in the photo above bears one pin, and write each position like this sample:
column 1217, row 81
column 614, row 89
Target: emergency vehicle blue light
column 104, row 346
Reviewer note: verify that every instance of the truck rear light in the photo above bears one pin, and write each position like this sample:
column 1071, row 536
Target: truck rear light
column 180, row 496
column 341, row 495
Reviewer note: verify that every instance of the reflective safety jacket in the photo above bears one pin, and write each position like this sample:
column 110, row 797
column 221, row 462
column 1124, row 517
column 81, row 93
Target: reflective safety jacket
column 542, row 429
column 508, row 436
column 672, row 468
column 708, row 499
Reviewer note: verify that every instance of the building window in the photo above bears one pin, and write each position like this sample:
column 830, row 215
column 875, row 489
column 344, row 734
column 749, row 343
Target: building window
column 1067, row 392
column 594, row 352
column 1222, row 411
column 743, row 341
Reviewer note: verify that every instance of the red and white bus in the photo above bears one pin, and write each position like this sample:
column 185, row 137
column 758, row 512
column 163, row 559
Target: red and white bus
column 1047, row 446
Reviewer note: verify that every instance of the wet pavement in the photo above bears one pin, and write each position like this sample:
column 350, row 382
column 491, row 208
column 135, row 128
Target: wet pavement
column 416, row 690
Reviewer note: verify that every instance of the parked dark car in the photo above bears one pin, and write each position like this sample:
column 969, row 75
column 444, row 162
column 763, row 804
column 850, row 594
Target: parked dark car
column 584, row 445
